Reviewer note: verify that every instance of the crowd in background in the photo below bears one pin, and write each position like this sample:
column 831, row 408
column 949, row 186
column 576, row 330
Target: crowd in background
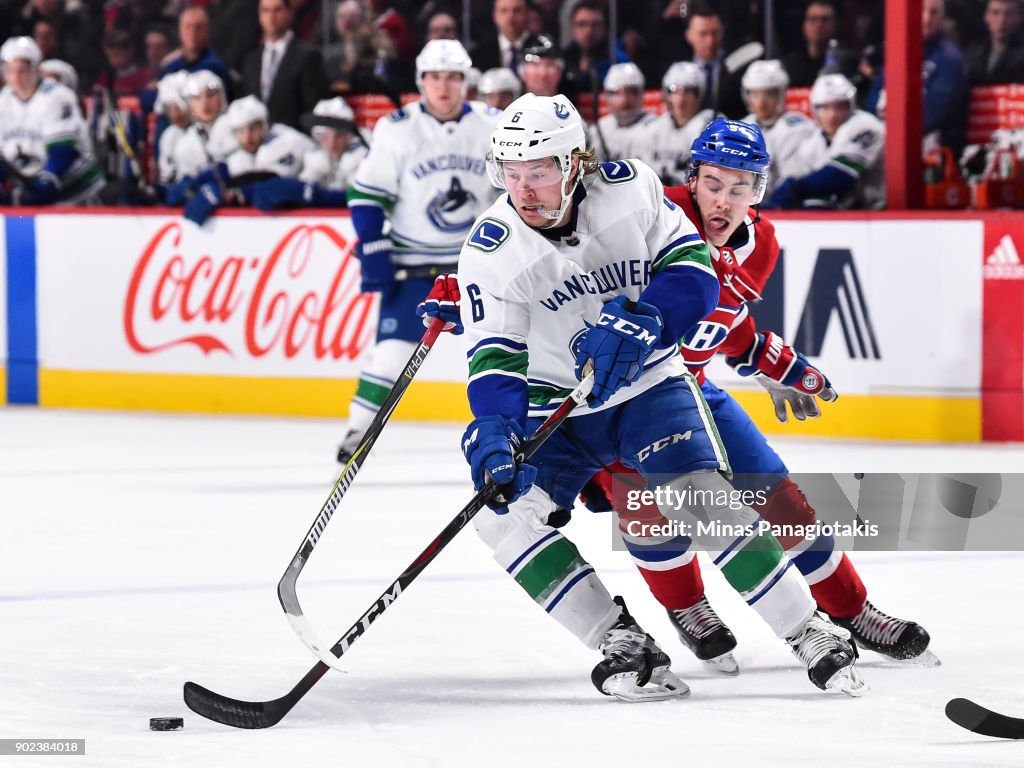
column 274, row 49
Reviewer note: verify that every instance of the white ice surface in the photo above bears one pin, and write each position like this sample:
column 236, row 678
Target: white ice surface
column 141, row 551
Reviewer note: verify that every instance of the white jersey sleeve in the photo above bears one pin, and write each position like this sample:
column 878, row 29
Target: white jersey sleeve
column 857, row 149
column 796, row 147
column 620, row 142
column 168, row 141
column 336, row 174
column 666, row 147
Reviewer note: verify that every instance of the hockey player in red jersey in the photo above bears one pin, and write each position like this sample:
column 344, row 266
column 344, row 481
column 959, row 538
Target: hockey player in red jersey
column 744, row 251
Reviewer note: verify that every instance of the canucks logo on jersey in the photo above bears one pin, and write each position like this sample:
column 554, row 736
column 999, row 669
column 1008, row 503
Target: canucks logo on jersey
column 452, row 210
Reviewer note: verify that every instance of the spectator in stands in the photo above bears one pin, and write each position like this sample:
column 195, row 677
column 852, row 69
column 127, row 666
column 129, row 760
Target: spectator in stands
column 505, row 48
column 195, row 54
column 285, row 73
column 586, row 57
column 819, row 28
column 157, row 47
column 45, row 35
column 1000, row 57
column 362, row 56
column 441, row 25
column 704, row 33
column 122, row 76
column 541, row 66
column 499, row 87
column 391, row 23
column 945, row 83
column 236, row 30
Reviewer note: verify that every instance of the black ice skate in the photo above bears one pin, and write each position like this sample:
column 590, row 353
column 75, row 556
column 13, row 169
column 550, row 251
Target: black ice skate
column 706, row 636
column 348, row 447
column 896, row 638
column 634, row 667
column 829, row 655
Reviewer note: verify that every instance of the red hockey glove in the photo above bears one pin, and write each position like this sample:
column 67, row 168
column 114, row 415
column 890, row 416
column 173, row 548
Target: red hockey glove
column 443, row 302
column 770, row 356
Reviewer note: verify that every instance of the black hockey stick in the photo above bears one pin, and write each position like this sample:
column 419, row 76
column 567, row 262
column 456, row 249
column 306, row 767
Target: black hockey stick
column 977, row 719
column 264, row 714
column 286, row 586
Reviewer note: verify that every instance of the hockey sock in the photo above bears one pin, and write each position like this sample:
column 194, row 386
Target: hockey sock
column 833, row 580
column 375, row 382
column 678, row 588
column 842, row 594
column 548, row 567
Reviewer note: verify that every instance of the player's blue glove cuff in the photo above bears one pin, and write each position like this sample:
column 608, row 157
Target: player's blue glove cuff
column 180, row 192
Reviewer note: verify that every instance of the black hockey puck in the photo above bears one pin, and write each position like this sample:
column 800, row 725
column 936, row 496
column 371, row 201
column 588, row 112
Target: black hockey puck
column 166, row 723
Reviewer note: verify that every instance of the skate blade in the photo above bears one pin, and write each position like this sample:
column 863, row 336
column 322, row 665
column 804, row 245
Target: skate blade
column 724, row 665
column 664, row 684
column 849, row 681
column 924, row 659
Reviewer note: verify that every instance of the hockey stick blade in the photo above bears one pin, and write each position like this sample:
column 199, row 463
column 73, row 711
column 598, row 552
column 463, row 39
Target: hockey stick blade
column 977, row 719
column 264, row 714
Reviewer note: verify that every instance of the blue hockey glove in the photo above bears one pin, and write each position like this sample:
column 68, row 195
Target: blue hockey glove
column 490, row 445
column 205, row 202
column 618, row 344
column 443, row 302
column 377, row 269
column 216, row 174
column 42, row 189
column 180, row 192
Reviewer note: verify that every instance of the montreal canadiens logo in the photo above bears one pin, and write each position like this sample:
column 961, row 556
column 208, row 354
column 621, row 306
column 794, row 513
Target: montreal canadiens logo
column 561, row 111
column 810, row 381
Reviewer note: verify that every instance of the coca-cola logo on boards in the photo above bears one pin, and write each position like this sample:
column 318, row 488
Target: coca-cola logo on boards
column 258, row 304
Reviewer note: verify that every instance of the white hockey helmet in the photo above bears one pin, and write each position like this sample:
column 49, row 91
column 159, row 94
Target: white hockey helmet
column 332, row 115
column 534, row 128
column 170, row 91
column 683, row 74
column 473, row 76
column 442, row 56
column 200, row 81
column 60, row 71
column 21, row 48
column 765, row 75
column 627, row 75
column 246, row 111
column 832, row 88
column 500, row 80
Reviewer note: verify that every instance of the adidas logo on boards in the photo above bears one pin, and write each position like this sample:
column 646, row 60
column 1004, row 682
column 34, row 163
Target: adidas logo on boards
column 1004, row 261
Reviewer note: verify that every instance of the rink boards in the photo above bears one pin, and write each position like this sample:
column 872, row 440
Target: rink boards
column 259, row 314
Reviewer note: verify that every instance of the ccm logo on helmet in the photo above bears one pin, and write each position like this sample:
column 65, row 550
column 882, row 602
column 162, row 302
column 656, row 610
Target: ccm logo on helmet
column 510, row 143
column 731, row 151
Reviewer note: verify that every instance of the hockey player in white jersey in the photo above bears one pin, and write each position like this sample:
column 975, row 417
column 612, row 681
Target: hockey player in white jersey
column 620, row 133
column 334, row 163
column 170, row 104
column 207, row 141
column 499, row 87
column 425, row 176
column 794, row 141
column 585, row 262
column 667, row 139
column 44, row 140
column 849, row 173
column 261, row 146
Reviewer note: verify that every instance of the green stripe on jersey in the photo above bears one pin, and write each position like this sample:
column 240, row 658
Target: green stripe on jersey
column 357, row 197
column 696, row 253
column 753, row 563
column 549, row 568
column 848, row 164
column 498, row 359
column 542, row 394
